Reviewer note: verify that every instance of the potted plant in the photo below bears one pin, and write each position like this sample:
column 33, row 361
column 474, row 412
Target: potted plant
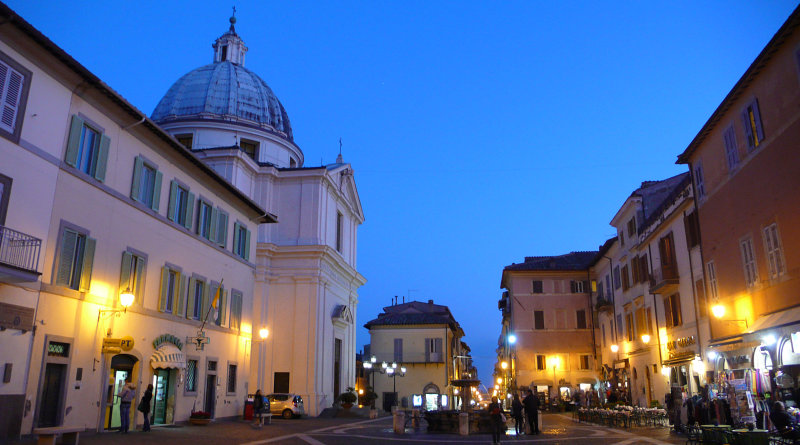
column 348, row 398
column 200, row 418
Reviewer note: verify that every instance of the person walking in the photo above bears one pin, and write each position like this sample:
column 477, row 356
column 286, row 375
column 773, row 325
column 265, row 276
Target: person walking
column 258, row 409
column 126, row 395
column 531, row 403
column 144, row 407
column 497, row 420
column 516, row 413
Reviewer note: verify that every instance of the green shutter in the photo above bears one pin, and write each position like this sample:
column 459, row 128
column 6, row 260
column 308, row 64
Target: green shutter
column 162, row 296
column 189, row 211
column 157, row 191
column 190, row 297
column 247, row 245
column 102, row 158
column 137, row 177
column 139, row 285
column 206, row 301
column 173, row 194
column 65, row 258
column 74, row 141
column 88, row 261
column 125, row 273
column 236, row 239
column 222, row 229
column 212, row 231
column 181, row 293
column 223, row 307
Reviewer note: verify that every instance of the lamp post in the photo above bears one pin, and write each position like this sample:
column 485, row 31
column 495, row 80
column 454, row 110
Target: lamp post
column 392, row 370
column 369, row 366
column 263, row 333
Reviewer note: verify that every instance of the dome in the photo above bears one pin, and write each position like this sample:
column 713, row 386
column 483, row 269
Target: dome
column 225, row 90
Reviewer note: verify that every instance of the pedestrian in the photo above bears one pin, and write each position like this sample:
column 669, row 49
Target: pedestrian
column 516, row 413
column 498, row 420
column 126, row 395
column 784, row 422
column 258, row 409
column 531, row 403
column 144, row 407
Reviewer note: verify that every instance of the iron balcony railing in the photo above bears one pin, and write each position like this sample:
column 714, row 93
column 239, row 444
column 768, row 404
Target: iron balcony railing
column 19, row 250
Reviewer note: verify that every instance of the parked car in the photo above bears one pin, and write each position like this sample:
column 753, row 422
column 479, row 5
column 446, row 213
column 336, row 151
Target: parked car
column 286, row 405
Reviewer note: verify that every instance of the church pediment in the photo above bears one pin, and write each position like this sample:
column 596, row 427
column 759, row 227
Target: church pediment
column 342, row 316
column 346, row 184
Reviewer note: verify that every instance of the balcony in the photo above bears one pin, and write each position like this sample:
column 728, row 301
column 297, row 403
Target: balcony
column 604, row 305
column 19, row 256
column 664, row 280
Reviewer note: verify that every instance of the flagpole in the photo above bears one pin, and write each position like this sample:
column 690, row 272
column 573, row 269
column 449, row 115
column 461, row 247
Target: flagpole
column 213, row 304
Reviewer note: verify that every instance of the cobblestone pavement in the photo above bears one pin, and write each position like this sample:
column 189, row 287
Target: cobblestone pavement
column 558, row 429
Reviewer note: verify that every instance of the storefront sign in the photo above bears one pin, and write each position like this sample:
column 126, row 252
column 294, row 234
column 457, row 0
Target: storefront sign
column 118, row 344
column 796, row 342
column 681, row 342
column 16, row 317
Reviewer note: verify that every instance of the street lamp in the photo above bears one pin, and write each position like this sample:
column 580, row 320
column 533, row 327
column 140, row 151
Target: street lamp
column 263, row 333
column 369, row 366
column 614, row 348
column 126, row 298
column 512, row 339
column 392, row 371
column 719, row 311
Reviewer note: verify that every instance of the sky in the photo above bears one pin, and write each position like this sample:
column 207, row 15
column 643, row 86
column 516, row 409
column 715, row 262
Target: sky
column 479, row 132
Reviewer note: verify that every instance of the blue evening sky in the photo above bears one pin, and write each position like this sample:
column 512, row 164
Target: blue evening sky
column 479, row 131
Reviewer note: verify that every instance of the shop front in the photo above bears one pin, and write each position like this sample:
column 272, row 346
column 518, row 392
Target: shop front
column 167, row 363
column 124, row 366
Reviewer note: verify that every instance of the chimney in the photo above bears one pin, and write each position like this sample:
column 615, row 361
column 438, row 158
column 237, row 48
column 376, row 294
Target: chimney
column 430, row 301
column 404, row 299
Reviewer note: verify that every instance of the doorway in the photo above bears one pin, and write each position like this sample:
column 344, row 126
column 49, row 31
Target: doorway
column 337, row 367
column 389, row 400
column 54, row 376
column 211, row 388
column 122, row 367
column 163, row 409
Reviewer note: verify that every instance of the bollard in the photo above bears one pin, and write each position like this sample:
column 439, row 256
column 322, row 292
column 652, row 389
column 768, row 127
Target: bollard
column 399, row 422
column 463, row 424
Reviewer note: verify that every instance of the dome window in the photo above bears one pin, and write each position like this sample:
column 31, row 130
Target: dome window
column 292, row 163
column 223, row 53
column 185, row 140
column 250, row 148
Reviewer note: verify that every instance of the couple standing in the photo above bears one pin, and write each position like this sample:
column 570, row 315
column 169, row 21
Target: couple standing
column 126, row 395
column 531, row 405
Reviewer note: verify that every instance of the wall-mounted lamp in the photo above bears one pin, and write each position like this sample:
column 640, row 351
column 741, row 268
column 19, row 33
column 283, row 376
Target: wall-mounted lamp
column 263, row 333
column 665, row 371
column 125, row 300
column 712, row 355
column 769, row 340
column 645, row 338
column 719, row 311
column 614, row 348
column 512, row 339
column 504, row 365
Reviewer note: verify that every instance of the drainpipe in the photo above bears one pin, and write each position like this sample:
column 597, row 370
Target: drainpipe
column 694, row 299
column 591, row 312
column 135, row 123
column 655, row 309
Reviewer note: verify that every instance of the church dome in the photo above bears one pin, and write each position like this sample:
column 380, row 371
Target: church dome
column 225, row 90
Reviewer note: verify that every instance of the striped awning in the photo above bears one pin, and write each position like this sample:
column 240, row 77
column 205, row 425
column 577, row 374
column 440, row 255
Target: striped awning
column 168, row 356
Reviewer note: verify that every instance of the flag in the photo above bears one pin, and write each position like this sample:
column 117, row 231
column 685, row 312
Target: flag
column 217, row 295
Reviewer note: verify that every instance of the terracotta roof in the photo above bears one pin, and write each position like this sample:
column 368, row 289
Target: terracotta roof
column 414, row 312
column 570, row 261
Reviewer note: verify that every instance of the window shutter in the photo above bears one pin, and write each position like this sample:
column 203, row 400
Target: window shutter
column 438, row 347
column 247, row 245
column 206, row 300
column 572, row 287
column 190, row 297
column 428, row 349
column 212, row 230
column 757, row 117
column 189, row 211
column 181, row 295
column 677, row 318
column 748, row 130
column 68, row 241
column 223, row 308
column 173, row 195
column 139, row 285
column 88, row 261
column 236, row 239
column 162, row 296
column 125, row 273
column 74, row 141
column 222, row 229
column 11, row 95
column 157, row 191
column 586, row 287
column 137, row 177
column 102, row 158
column 668, row 312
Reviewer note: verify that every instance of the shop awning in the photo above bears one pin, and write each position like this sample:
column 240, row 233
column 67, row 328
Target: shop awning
column 777, row 320
column 679, row 360
column 168, row 356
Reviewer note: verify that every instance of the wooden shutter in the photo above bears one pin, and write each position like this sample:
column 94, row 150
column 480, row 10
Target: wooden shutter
column 223, row 308
column 222, row 228
column 428, row 344
column 668, row 311
column 438, row 348
column 88, row 261
column 206, row 300
column 66, row 257
column 74, row 141
column 137, row 177
column 757, row 118
column 581, row 317
column 572, row 287
column 139, row 284
column 11, row 92
column 162, row 296
column 677, row 317
column 180, row 294
column 102, row 158
column 125, row 273
column 247, row 245
column 235, row 246
column 173, row 196
column 212, row 230
column 157, row 191
column 190, row 297
column 189, row 211
column 748, row 129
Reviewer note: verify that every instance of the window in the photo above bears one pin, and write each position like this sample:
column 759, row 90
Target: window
column 538, row 319
column 641, row 322
column 398, row 350
column 672, row 310
column 577, row 287
column 748, row 261
column 231, row 378
column 616, row 278
column 635, row 270
column 537, row 287
column 692, row 226
column 205, row 222
column 146, row 184
column 600, row 291
column 198, row 295
column 731, row 154
column 433, row 350
column 648, row 314
column 629, row 325
column 541, row 362
column 608, row 286
column 561, row 319
column 280, row 382
column 699, row 184
column 241, row 241
column 700, row 291
column 626, row 281
column 172, row 297
column 292, row 163
column 584, row 361
column 712, row 280
column 339, row 231
column 603, row 338
column 250, row 148
column 132, row 274
column 185, row 140
column 181, row 204
column 236, row 310
column 75, row 259
column 191, row 375
column 631, row 227
column 581, row 318
column 753, row 130
column 644, row 273
column 87, row 148
column 772, row 245
column 619, row 325
column 218, row 296
column 15, row 81
column 221, row 235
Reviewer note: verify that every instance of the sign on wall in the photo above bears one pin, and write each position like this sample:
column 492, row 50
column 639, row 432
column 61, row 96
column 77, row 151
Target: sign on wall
column 16, row 317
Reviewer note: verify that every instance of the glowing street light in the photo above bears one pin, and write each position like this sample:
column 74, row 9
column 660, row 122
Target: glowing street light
column 614, row 348
column 645, row 338
column 504, row 365
column 263, row 333
column 512, row 339
column 718, row 310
